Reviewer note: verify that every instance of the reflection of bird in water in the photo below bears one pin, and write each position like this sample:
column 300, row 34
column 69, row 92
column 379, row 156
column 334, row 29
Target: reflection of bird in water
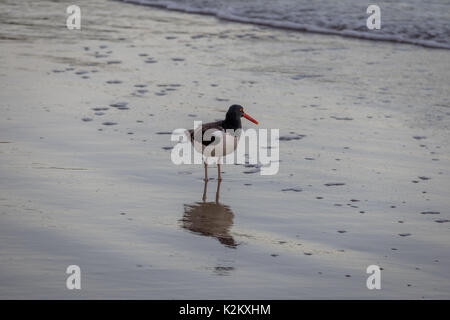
column 210, row 219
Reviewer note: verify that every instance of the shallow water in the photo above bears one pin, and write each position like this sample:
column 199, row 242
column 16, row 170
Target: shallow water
column 372, row 156
column 409, row 21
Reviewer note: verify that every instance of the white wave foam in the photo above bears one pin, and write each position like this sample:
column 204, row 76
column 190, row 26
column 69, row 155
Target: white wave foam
column 318, row 24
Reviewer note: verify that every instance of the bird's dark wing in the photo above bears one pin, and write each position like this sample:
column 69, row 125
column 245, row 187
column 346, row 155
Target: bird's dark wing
column 212, row 125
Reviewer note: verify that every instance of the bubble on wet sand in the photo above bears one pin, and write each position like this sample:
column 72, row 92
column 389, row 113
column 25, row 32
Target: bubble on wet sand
column 305, row 76
column 334, row 184
column 341, row 118
column 119, row 105
column 184, row 173
column 254, row 170
column 292, row 189
column 292, row 137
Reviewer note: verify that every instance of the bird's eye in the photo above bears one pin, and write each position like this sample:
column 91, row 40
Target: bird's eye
column 242, row 109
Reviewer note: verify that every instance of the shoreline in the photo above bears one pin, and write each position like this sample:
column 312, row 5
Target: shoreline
column 86, row 176
column 290, row 26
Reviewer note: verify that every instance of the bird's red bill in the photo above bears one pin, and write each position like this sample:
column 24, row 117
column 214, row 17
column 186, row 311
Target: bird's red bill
column 246, row 116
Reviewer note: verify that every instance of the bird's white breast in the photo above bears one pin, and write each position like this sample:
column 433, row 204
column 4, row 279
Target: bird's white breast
column 222, row 145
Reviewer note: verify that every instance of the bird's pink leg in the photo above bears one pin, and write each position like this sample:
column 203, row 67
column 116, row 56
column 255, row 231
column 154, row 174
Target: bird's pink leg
column 219, row 177
column 206, row 171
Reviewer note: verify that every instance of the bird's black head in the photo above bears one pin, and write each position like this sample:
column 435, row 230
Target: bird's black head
column 233, row 117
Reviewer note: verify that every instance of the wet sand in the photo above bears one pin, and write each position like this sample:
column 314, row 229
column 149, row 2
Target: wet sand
column 86, row 176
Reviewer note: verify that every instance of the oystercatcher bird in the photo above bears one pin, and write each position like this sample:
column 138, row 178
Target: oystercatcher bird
column 217, row 139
